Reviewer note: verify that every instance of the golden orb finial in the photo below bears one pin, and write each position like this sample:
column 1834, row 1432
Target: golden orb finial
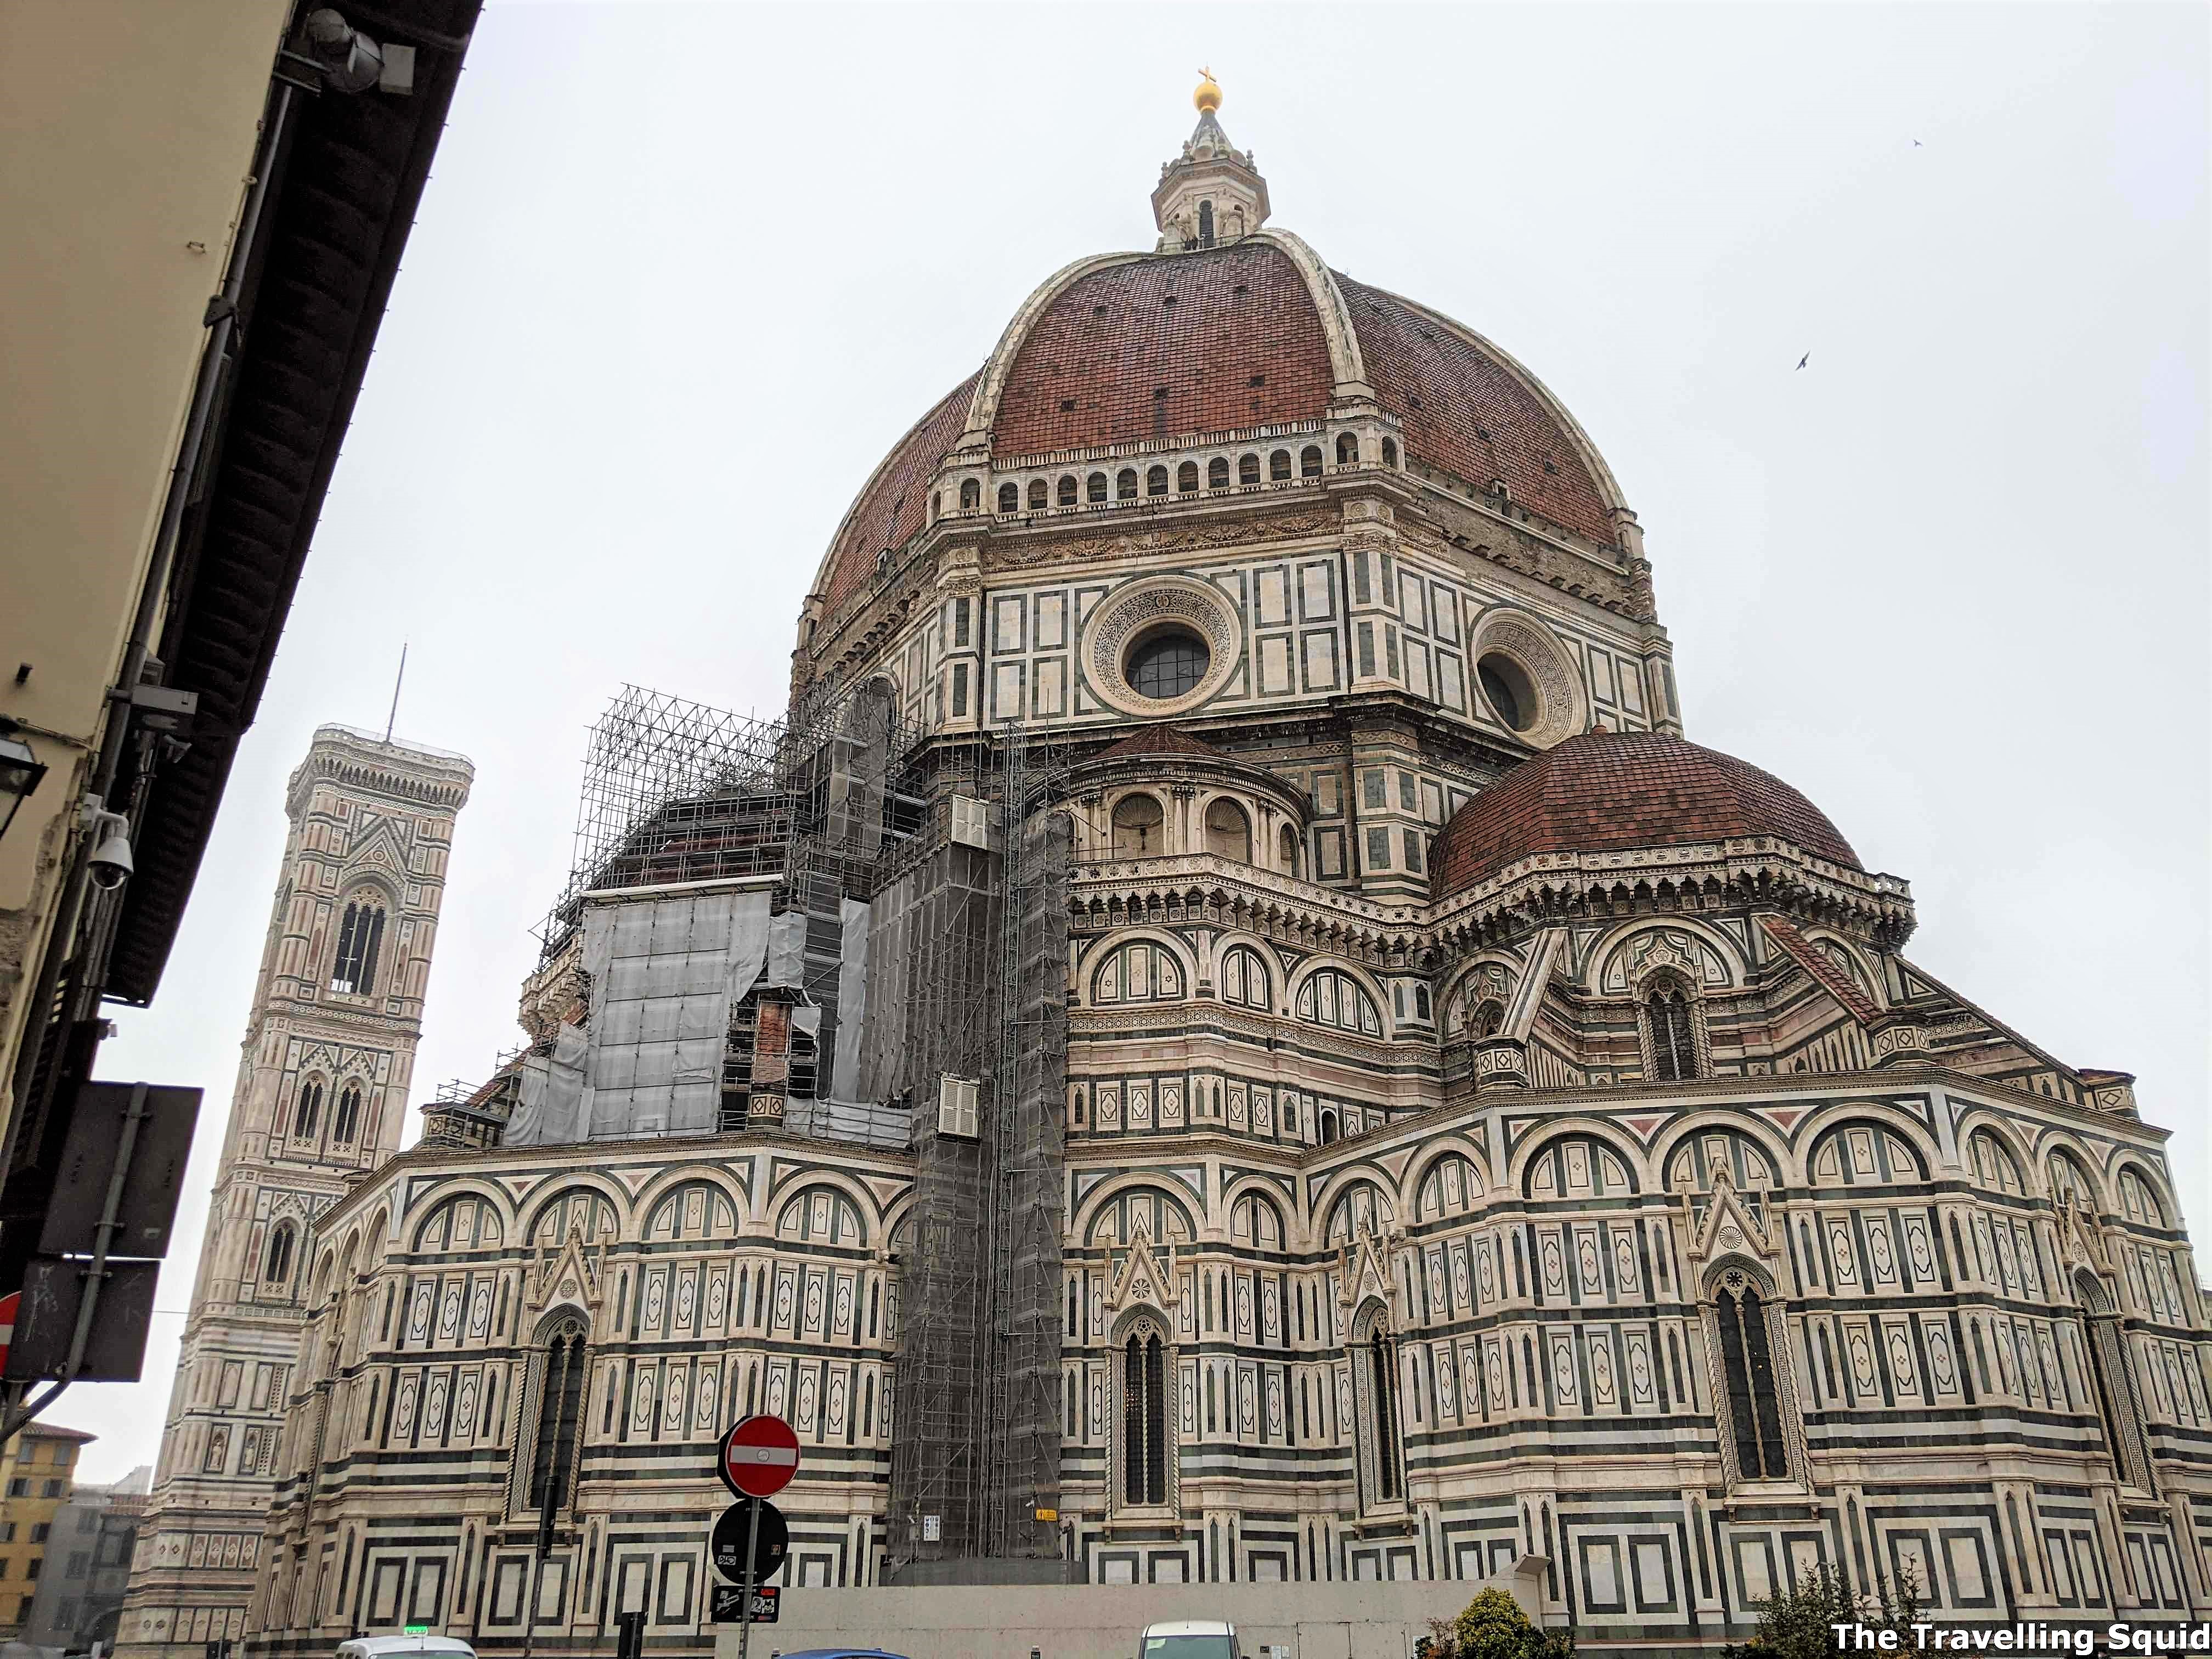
column 1208, row 95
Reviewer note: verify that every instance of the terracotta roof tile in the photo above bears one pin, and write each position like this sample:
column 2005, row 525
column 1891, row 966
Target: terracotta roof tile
column 1469, row 415
column 1160, row 739
column 894, row 504
column 1229, row 336
column 1607, row 792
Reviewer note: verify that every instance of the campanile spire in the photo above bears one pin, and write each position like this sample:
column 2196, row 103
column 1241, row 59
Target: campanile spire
column 1212, row 194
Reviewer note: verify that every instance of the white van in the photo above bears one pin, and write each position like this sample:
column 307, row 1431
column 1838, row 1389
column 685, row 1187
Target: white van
column 1188, row 1638
column 405, row 1647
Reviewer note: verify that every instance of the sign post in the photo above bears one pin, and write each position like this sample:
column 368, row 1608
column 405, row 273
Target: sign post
column 759, row 1457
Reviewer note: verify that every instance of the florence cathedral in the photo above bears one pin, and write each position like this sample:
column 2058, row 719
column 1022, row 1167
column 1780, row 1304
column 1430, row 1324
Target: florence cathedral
column 1228, row 1035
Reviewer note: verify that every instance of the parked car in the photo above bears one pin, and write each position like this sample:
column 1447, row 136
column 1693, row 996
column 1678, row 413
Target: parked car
column 1188, row 1638
column 405, row 1647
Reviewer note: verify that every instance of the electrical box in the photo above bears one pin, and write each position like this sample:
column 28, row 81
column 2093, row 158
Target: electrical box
column 955, row 1106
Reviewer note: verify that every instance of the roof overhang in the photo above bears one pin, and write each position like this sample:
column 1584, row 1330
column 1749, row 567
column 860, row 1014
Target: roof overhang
column 343, row 199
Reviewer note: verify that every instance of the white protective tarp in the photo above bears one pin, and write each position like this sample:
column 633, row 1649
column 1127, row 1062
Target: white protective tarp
column 665, row 973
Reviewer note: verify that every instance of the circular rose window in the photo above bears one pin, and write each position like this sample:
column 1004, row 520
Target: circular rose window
column 1161, row 646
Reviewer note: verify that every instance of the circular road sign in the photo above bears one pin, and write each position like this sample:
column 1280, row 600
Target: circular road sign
column 734, row 1529
column 759, row 1457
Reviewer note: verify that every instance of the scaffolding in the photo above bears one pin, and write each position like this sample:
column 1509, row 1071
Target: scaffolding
column 943, row 854
column 676, row 791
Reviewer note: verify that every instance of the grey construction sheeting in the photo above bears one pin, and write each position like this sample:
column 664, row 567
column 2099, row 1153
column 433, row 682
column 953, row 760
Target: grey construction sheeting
column 852, row 1003
column 665, row 972
column 526, row 1124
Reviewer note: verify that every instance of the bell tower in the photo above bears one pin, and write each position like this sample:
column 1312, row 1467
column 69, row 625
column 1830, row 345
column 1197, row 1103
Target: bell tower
column 1210, row 193
column 320, row 1100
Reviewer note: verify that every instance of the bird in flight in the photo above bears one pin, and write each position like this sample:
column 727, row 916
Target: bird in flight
column 1916, row 144
column 1804, row 360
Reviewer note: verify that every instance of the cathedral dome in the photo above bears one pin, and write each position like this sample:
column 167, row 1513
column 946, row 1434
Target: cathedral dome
column 1608, row 792
column 1227, row 328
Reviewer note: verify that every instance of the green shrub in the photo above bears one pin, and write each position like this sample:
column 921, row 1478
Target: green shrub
column 1795, row 1625
column 1492, row 1626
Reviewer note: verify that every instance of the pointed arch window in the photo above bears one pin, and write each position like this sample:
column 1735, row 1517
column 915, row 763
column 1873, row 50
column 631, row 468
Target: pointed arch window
column 1674, row 1039
column 1754, row 1421
column 560, row 1418
column 277, row 1266
column 361, row 935
column 1144, row 1419
column 1382, row 1367
column 1205, row 224
column 347, row 1121
column 308, row 1109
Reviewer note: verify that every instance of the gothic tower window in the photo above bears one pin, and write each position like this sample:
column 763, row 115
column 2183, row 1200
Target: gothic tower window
column 307, row 1109
column 559, row 1415
column 1755, row 1408
column 348, row 1119
column 1145, row 1446
column 1667, row 1027
column 360, row 936
column 276, row 1266
column 1205, row 224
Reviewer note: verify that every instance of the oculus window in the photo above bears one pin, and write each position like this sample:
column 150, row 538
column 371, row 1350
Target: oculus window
column 1168, row 664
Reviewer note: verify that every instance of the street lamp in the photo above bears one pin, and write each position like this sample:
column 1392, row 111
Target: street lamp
column 19, row 772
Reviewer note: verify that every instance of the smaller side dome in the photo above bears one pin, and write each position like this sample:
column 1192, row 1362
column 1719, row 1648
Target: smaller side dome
column 1608, row 791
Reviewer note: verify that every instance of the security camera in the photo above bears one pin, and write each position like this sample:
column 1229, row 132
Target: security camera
column 111, row 863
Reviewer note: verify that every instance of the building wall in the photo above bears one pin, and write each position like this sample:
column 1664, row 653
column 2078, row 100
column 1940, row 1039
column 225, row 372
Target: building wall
column 38, row 1470
column 371, row 822
column 131, row 134
column 88, row 1567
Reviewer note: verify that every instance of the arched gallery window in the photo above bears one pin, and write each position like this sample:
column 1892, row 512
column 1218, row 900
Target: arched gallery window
column 1094, row 486
column 1137, row 821
column 972, row 494
column 1347, row 449
column 1244, row 978
column 1010, row 498
column 1248, row 469
column 1216, row 473
column 1674, row 1039
column 1038, row 495
column 1754, row 1421
column 560, row 1417
column 1125, row 484
column 308, row 1109
column 360, row 936
column 1331, row 998
column 276, row 1267
column 348, row 1116
column 1228, row 831
column 1310, row 461
column 1139, row 972
column 1144, row 1417
column 1278, row 465
column 1186, row 479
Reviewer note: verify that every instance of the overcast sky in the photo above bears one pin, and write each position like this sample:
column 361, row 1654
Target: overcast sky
column 684, row 272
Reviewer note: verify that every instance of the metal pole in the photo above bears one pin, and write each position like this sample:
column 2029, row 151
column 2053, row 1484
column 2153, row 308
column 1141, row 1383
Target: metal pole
column 745, row 1608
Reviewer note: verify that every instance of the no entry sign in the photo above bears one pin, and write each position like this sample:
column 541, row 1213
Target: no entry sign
column 759, row 1457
